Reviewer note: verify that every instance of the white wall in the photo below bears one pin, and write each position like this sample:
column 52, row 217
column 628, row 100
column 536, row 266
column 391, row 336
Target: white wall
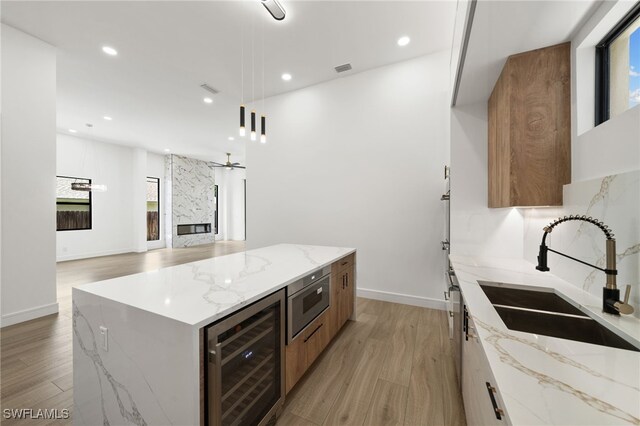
column 358, row 162
column 475, row 228
column 28, row 177
column 118, row 214
column 230, row 204
column 614, row 146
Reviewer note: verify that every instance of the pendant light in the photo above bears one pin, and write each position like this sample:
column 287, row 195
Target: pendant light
column 253, row 125
column 242, row 130
column 253, row 79
column 263, row 119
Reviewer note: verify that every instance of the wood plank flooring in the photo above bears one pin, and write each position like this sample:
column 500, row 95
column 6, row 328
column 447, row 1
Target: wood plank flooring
column 36, row 368
column 392, row 366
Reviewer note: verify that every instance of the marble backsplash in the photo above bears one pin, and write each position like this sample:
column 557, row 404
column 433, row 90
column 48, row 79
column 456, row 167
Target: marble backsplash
column 192, row 198
column 614, row 200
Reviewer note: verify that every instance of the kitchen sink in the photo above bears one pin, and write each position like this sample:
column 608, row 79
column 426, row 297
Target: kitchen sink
column 546, row 313
column 528, row 299
column 581, row 329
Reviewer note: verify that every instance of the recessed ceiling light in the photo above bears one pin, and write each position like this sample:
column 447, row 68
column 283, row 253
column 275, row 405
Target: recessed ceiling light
column 286, row 76
column 106, row 117
column 109, row 50
column 403, row 41
column 208, row 100
column 231, row 138
column 73, row 130
column 167, row 150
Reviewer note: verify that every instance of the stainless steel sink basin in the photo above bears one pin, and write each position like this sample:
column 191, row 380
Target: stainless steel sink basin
column 528, row 299
column 546, row 313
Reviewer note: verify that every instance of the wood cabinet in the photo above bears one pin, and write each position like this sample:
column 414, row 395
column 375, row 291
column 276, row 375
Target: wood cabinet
column 342, row 292
column 302, row 351
column 483, row 404
column 529, row 122
column 305, row 348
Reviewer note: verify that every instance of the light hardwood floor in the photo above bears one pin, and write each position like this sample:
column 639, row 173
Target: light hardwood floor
column 391, row 366
column 36, row 357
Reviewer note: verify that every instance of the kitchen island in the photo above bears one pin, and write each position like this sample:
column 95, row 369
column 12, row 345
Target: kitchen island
column 137, row 340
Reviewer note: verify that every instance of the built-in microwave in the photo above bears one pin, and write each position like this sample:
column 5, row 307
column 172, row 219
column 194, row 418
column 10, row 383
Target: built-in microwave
column 307, row 298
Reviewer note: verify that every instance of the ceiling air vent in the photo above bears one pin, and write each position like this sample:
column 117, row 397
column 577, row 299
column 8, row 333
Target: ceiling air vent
column 210, row 89
column 343, row 68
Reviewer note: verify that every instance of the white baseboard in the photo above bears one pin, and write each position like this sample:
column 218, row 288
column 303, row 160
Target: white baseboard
column 154, row 245
column 93, row 254
column 386, row 296
column 29, row 314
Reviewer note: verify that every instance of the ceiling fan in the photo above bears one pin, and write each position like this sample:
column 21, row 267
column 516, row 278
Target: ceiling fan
column 229, row 165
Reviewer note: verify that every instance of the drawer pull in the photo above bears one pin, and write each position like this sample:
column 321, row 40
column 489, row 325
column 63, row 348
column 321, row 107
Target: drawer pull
column 498, row 411
column 344, row 263
column 314, row 332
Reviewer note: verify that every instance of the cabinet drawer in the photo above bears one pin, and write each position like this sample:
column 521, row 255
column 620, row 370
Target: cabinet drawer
column 346, row 262
column 317, row 337
column 305, row 348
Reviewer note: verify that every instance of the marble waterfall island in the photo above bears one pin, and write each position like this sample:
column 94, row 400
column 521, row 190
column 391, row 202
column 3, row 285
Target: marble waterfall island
column 136, row 339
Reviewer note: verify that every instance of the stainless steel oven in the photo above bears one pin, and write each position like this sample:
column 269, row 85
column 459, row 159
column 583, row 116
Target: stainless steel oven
column 306, row 299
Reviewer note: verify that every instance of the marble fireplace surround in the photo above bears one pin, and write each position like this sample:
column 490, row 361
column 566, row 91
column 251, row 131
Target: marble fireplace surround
column 191, row 184
column 614, row 200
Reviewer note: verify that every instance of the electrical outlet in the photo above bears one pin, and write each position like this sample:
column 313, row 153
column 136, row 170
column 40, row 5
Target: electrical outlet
column 104, row 332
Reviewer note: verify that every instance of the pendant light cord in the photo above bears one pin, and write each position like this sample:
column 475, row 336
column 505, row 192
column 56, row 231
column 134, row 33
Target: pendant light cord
column 253, row 60
column 242, row 62
column 263, row 30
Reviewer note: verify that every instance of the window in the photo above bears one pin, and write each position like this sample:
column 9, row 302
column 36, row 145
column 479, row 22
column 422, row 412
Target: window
column 618, row 68
column 153, row 209
column 73, row 207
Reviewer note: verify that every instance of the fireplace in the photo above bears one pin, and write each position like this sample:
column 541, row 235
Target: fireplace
column 195, row 228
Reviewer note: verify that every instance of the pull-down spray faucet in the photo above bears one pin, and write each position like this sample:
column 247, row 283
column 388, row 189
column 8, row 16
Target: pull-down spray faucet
column 610, row 292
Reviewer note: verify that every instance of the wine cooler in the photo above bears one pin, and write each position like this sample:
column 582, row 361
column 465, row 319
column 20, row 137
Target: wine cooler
column 245, row 377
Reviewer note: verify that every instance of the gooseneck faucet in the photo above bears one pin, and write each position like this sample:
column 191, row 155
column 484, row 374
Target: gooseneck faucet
column 610, row 292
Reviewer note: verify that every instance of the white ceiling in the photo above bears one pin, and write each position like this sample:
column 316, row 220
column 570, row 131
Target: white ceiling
column 504, row 28
column 168, row 48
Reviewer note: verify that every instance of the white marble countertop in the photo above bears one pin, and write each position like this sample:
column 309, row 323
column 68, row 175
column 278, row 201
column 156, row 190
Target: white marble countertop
column 199, row 293
column 546, row 380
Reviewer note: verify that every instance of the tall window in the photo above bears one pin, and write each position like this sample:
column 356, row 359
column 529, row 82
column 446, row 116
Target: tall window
column 73, row 207
column 618, row 68
column 153, row 209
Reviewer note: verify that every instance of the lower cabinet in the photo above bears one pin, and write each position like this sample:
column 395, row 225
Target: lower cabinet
column 482, row 401
column 302, row 351
column 342, row 293
column 305, row 348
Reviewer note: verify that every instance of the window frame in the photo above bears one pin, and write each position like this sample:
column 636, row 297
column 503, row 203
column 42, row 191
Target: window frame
column 159, row 215
column 71, row 204
column 602, row 75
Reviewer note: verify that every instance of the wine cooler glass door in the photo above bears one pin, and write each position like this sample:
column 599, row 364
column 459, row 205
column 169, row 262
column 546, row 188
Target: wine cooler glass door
column 245, row 364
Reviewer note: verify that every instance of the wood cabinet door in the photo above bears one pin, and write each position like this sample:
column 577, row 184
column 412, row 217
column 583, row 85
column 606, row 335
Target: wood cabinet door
column 317, row 337
column 337, row 281
column 295, row 362
column 347, row 294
